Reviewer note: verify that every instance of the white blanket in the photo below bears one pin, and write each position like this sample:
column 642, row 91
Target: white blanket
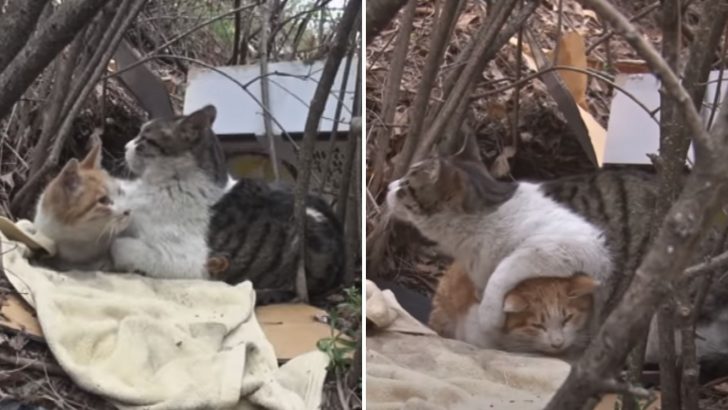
column 420, row 371
column 161, row 344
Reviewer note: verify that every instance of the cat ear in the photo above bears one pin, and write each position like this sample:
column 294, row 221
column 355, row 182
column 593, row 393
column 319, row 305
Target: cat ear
column 69, row 178
column 514, row 303
column 582, row 284
column 201, row 119
column 93, row 158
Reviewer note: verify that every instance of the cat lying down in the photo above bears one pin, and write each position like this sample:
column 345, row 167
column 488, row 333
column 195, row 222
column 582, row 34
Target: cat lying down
column 547, row 315
column 553, row 316
column 183, row 217
column 544, row 314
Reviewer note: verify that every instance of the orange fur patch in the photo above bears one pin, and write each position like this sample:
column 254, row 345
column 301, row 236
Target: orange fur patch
column 76, row 192
column 454, row 296
column 535, row 296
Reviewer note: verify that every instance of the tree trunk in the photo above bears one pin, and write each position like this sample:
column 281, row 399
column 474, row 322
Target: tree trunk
column 16, row 26
column 316, row 110
column 55, row 33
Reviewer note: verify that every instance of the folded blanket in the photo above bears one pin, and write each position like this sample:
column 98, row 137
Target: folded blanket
column 425, row 372
column 160, row 344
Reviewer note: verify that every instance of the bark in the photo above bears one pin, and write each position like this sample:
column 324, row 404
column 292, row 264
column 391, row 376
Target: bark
column 317, row 106
column 48, row 41
column 24, row 197
column 669, row 167
column 16, row 26
column 379, row 14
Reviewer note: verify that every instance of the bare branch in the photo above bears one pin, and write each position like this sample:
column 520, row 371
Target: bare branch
column 318, row 103
column 669, row 79
column 16, row 26
column 391, row 94
column 438, row 44
column 50, row 39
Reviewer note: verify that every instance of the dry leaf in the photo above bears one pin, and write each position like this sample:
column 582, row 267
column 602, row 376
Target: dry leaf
column 465, row 20
column 721, row 387
column 572, row 53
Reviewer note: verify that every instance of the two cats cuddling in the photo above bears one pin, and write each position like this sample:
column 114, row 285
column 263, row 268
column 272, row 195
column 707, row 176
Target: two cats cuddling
column 537, row 266
column 183, row 217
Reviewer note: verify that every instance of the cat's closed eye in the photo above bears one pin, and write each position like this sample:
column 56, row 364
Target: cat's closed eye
column 539, row 326
column 567, row 318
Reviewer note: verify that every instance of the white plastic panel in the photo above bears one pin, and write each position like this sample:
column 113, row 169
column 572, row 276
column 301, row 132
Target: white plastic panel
column 292, row 85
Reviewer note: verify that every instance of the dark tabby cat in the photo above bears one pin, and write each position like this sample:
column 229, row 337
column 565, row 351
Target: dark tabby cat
column 253, row 232
column 621, row 203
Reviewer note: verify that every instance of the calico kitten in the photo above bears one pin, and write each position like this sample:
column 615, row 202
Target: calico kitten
column 546, row 314
column 502, row 229
column 252, row 230
column 80, row 211
column 181, row 172
column 549, row 315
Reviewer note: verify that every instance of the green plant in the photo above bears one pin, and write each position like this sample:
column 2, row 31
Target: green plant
column 345, row 326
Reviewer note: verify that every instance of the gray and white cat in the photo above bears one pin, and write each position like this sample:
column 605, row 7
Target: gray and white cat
column 501, row 232
column 182, row 173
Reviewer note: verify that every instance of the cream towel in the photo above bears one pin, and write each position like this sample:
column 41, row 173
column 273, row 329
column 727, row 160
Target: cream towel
column 162, row 344
column 422, row 371
column 383, row 309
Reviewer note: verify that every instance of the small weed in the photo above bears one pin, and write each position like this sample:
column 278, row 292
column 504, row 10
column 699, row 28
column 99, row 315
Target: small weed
column 345, row 323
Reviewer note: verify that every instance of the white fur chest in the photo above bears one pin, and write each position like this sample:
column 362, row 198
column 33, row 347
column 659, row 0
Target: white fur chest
column 168, row 229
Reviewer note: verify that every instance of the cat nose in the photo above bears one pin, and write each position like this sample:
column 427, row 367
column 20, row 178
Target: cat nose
column 557, row 341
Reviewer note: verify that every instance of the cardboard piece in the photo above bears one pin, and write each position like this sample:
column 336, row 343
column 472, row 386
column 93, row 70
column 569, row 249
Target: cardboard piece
column 572, row 53
column 292, row 329
column 612, row 401
column 18, row 316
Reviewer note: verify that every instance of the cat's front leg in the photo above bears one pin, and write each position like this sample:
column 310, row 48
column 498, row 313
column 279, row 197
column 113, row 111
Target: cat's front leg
column 520, row 265
column 132, row 255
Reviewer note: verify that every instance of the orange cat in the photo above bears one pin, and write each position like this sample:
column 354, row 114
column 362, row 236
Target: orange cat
column 545, row 314
column 78, row 211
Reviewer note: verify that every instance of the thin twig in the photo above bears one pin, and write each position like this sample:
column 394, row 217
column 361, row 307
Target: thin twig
column 669, row 79
column 27, row 363
column 609, row 33
column 590, row 72
column 151, row 54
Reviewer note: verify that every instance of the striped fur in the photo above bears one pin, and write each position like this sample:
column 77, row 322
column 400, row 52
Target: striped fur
column 252, row 227
column 621, row 203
